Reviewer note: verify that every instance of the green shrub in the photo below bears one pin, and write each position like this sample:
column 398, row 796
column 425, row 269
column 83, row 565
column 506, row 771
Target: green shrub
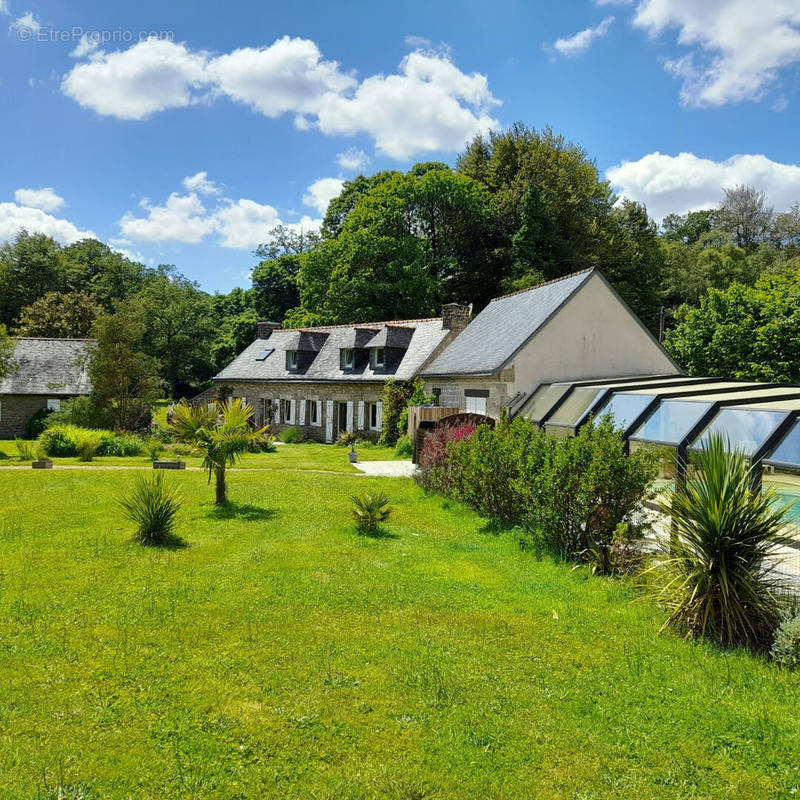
column 369, row 510
column 24, row 450
column 152, row 506
column 435, row 472
column 404, row 447
column 347, row 439
column 717, row 575
column 181, row 449
column 80, row 411
column 786, row 646
column 87, row 448
column 265, row 444
column 153, row 448
column 70, row 440
column 37, row 423
column 119, row 444
column 293, row 436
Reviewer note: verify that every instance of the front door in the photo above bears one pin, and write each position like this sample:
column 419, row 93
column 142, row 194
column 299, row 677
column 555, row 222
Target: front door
column 340, row 419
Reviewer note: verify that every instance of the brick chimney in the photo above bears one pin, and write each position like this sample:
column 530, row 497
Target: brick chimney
column 456, row 317
column 264, row 329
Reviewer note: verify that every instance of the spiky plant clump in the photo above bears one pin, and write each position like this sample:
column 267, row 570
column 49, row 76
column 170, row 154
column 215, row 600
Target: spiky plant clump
column 24, row 450
column 152, row 506
column 370, row 509
column 717, row 576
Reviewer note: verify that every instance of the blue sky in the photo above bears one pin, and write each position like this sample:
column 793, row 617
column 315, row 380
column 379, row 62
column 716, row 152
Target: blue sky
column 186, row 147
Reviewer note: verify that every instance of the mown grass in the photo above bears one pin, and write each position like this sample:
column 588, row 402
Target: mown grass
column 286, row 456
column 279, row 654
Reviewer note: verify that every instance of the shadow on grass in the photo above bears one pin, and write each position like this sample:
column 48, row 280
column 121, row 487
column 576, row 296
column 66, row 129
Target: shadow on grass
column 496, row 528
column 375, row 532
column 171, row 542
column 242, row 511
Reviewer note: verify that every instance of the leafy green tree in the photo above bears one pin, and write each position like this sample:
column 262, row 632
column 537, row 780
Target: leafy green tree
column 222, row 437
column 125, row 379
column 745, row 215
column 62, row 315
column 746, row 332
column 6, row 352
column 688, row 228
column 276, row 287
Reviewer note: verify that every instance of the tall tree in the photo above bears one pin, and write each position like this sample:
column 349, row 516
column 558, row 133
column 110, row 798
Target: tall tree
column 745, row 215
column 6, row 352
column 62, row 315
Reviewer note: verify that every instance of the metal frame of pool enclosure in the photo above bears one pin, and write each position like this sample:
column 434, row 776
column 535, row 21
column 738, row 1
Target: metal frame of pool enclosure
column 679, row 413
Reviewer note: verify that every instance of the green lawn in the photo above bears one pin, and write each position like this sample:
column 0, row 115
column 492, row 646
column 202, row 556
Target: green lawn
column 281, row 655
column 286, row 456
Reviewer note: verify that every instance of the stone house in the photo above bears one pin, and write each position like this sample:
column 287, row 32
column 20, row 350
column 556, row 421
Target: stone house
column 329, row 379
column 573, row 328
column 44, row 373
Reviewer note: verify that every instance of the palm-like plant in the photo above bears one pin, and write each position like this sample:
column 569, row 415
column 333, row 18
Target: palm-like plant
column 370, row 509
column 717, row 576
column 152, row 506
column 222, row 436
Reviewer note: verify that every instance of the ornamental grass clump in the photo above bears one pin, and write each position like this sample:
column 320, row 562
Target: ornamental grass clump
column 717, row 575
column 153, row 507
column 370, row 510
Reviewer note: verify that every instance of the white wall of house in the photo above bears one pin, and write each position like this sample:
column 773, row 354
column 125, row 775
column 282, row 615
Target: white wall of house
column 594, row 335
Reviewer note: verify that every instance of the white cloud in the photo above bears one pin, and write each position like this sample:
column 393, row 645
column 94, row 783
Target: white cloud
column 288, row 76
column 13, row 217
column 321, row 192
column 151, row 76
column 183, row 218
column 45, row 199
column 245, row 224
column 429, row 105
column 353, row 159
column 85, row 47
column 738, row 46
column 613, row 2
column 579, row 43
column 26, row 24
column 201, row 184
column 5, row 8
column 687, row 183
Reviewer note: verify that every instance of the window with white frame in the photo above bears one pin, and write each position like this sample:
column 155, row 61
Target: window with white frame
column 475, row 401
column 346, row 358
column 291, row 359
column 313, row 412
column 287, row 411
column 53, row 404
column 378, row 356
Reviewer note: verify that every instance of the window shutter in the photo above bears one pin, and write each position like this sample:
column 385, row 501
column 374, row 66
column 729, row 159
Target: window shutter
column 349, row 415
column 361, row 415
column 379, row 425
column 276, row 418
column 302, row 419
column 329, row 421
column 292, row 411
column 319, row 411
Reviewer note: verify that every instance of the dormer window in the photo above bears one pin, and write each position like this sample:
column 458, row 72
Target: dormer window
column 346, row 358
column 378, row 357
column 291, row 359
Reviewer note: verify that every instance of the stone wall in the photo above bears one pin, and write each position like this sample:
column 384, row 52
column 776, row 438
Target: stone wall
column 453, row 390
column 17, row 409
column 359, row 395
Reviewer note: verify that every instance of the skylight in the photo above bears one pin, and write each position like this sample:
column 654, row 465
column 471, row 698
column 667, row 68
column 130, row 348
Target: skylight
column 264, row 354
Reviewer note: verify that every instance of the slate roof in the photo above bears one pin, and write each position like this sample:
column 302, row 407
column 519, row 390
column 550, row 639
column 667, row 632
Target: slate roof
column 49, row 367
column 503, row 327
column 416, row 341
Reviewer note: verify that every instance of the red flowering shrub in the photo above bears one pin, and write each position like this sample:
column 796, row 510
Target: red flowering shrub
column 433, row 472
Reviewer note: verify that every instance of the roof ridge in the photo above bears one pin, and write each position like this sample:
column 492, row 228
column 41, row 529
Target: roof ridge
column 546, row 283
column 49, row 339
column 355, row 325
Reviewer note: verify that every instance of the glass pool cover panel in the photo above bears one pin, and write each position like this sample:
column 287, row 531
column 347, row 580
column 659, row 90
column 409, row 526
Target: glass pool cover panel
column 745, row 429
column 671, row 421
column 625, row 407
column 788, row 451
column 575, row 406
column 544, row 399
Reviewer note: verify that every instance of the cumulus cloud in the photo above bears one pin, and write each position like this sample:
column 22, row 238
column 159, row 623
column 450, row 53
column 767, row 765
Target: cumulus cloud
column 239, row 224
column 428, row 105
column 201, row 184
column 737, row 46
column 183, row 218
column 688, row 183
column 15, row 216
column 85, row 47
column 27, row 23
column 321, row 192
column 5, row 8
column 152, row 75
column 579, row 43
column 44, row 199
column 353, row 159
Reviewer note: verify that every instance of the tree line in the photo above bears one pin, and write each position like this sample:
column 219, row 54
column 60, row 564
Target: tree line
column 519, row 207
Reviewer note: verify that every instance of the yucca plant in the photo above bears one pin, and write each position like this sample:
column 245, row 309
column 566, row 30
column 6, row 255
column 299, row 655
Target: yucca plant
column 221, row 437
column 24, row 450
column 717, row 575
column 370, row 509
column 152, row 506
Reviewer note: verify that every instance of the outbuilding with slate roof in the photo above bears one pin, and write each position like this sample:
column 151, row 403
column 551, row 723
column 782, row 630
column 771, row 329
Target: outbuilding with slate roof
column 44, row 372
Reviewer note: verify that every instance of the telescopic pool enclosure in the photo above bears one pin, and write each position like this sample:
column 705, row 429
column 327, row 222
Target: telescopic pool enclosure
column 678, row 414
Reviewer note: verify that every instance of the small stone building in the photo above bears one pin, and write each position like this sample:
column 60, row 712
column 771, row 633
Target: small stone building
column 44, row 373
column 573, row 328
column 327, row 380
